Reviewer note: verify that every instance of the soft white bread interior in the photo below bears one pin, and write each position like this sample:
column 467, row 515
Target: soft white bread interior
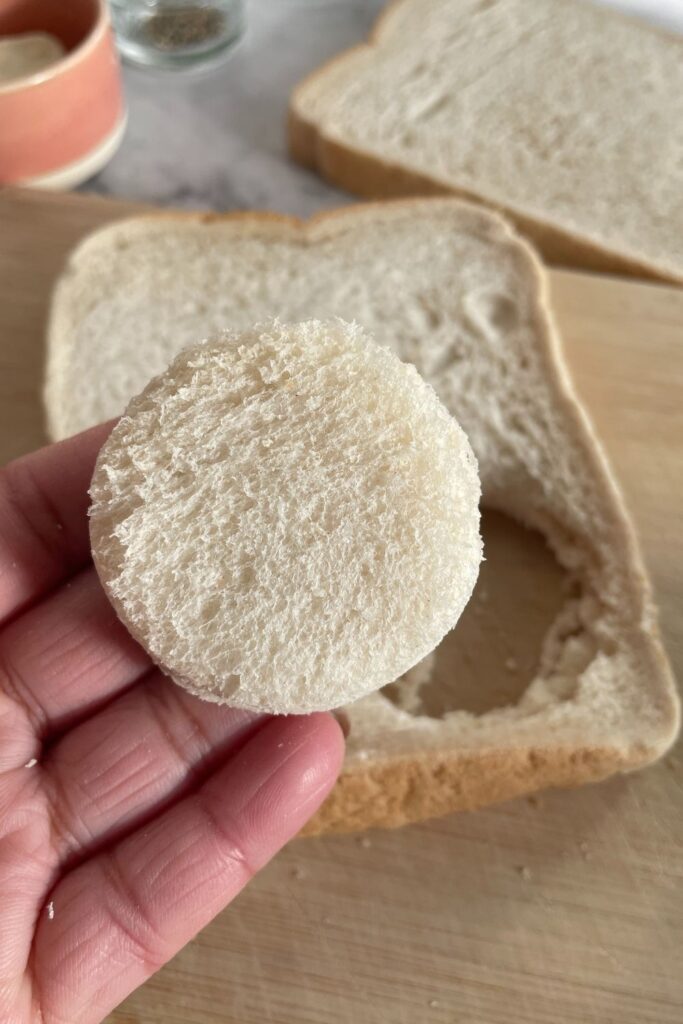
column 555, row 674
column 320, row 512
column 566, row 116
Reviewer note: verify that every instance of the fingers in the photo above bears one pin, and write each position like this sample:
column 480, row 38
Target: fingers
column 59, row 660
column 126, row 763
column 118, row 918
column 43, row 518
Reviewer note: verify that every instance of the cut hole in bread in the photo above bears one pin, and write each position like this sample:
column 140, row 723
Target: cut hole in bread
column 494, row 653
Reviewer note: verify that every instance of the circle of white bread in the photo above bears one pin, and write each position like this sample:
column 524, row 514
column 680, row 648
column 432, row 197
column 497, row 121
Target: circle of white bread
column 287, row 518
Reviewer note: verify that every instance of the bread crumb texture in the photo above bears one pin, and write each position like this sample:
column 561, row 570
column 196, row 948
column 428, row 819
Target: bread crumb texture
column 288, row 518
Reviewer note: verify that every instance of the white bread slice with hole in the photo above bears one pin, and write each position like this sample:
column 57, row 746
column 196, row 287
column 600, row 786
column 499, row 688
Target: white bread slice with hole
column 451, row 288
column 564, row 116
column 320, row 512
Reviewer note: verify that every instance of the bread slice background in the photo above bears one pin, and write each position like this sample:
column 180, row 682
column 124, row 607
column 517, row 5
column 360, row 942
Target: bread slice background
column 567, row 117
column 453, row 290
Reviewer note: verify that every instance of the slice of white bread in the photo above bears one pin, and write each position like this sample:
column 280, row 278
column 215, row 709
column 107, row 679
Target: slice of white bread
column 320, row 513
column 555, row 674
column 566, row 116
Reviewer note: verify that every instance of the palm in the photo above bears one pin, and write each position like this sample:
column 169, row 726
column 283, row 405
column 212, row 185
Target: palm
column 130, row 812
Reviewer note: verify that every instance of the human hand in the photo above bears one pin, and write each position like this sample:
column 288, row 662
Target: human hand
column 130, row 811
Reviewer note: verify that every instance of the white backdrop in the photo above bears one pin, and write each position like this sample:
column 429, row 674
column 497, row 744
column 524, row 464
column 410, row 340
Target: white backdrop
column 668, row 13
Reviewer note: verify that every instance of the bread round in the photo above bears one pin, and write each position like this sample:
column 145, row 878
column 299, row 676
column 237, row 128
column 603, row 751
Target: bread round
column 287, row 518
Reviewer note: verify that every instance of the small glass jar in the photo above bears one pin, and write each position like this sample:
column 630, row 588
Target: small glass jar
column 177, row 33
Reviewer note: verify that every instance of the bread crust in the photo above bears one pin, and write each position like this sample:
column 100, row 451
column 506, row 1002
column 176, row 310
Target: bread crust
column 400, row 791
column 366, row 175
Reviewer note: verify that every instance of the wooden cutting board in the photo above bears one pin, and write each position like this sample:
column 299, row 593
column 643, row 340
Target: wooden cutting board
column 556, row 909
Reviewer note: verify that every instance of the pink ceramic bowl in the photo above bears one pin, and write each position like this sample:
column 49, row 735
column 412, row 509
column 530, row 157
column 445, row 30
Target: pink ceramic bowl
column 59, row 126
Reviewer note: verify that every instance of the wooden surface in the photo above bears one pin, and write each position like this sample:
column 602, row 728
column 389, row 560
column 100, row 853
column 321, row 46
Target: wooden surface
column 563, row 908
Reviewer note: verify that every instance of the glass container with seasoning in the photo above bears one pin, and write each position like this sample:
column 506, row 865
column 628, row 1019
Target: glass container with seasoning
column 177, row 33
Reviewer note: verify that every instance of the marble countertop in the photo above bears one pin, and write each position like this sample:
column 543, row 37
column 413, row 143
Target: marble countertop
column 216, row 139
